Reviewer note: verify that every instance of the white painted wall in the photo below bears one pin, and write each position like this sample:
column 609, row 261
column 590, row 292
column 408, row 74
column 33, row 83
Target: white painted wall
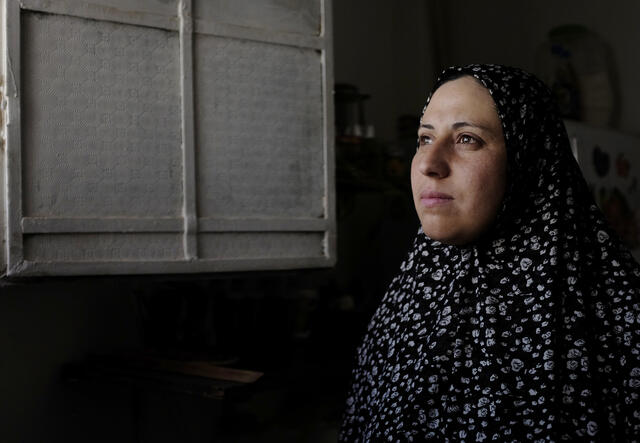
column 509, row 32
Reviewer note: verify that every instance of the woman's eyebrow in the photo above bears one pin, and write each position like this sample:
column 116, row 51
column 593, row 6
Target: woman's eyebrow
column 458, row 125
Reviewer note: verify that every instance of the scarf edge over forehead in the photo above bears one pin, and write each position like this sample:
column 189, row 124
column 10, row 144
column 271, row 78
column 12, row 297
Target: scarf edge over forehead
column 531, row 332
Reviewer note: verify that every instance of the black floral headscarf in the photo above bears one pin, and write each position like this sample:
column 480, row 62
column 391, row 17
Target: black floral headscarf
column 530, row 333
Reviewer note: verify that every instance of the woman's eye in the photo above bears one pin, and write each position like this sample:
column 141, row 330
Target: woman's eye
column 424, row 140
column 467, row 139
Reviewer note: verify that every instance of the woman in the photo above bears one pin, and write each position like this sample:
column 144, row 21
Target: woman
column 516, row 314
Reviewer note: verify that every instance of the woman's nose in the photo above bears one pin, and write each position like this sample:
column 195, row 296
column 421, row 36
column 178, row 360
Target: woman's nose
column 433, row 160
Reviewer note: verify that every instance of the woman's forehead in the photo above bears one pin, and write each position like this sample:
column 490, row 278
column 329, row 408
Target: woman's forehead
column 462, row 98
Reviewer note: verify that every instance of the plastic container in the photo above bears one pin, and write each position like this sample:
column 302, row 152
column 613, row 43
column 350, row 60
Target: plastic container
column 576, row 61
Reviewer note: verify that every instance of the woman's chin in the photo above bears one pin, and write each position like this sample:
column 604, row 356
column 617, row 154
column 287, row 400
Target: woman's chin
column 444, row 237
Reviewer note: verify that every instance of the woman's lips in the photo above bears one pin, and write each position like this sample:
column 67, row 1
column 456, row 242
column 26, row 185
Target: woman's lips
column 434, row 199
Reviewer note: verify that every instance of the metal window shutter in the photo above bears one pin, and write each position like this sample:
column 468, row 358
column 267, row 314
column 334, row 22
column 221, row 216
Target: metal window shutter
column 166, row 136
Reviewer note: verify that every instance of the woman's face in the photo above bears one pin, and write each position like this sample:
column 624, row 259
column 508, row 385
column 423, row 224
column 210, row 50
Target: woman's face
column 458, row 174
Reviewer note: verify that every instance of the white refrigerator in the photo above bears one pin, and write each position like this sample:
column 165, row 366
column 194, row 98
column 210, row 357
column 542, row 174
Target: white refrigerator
column 610, row 163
